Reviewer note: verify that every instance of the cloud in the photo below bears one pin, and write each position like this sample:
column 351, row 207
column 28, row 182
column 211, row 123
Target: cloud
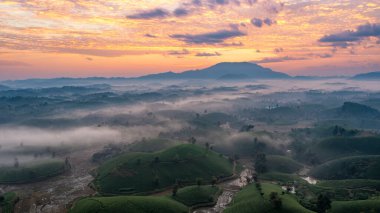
column 349, row 37
column 257, row 22
column 206, row 54
column 217, row 37
column 150, row 35
column 12, row 63
column 181, row 12
column 268, row 21
column 181, row 52
column 150, row 14
column 279, row 50
column 278, row 59
column 261, row 22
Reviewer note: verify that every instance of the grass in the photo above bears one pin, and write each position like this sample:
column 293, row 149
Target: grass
column 31, row 172
column 249, row 200
column 357, row 167
column 277, row 163
column 132, row 173
column 289, row 202
column 7, row 205
column 130, row 204
column 281, row 177
column 338, row 147
column 352, row 184
column 194, row 195
column 365, row 206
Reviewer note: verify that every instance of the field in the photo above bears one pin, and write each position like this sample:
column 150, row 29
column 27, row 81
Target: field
column 6, row 206
column 143, row 172
column 365, row 206
column 352, row 184
column 249, row 200
column 338, row 147
column 193, row 195
column 130, row 204
column 358, row 167
column 277, row 163
column 32, row 172
column 280, row 177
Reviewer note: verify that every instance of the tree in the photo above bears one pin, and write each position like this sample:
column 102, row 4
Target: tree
column 275, row 200
column 199, row 182
column 16, row 164
column 323, row 203
column 192, row 140
column 156, row 159
column 260, row 162
column 175, row 190
column 156, row 181
column 213, row 181
column 207, row 146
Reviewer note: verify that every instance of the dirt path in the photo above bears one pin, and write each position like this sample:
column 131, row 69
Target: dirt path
column 230, row 188
column 53, row 195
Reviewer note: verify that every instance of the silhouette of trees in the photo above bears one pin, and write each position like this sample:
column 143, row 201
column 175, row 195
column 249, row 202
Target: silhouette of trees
column 213, row 181
column 199, row 182
column 192, row 140
column 275, row 200
column 175, row 190
column 16, row 163
column 260, row 162
column 323, row 203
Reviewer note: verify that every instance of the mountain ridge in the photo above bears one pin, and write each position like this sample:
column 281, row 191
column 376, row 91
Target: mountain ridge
column 223, row 70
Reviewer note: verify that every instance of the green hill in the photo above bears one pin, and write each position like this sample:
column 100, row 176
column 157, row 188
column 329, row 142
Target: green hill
column 128, row 204
column 277, row 163
column 193, row 195
column 31, row 172
column 358, row 167
column 338, row 147
column 143, row 172
column 365, row 206
column 249, row 200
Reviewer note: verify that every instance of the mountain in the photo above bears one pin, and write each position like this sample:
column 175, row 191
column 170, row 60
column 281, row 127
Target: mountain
column 355, row 110
column 367, row 76
column 223, row 71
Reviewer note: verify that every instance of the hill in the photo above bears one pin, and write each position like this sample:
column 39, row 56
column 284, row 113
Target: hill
column 195, row 195
column 132, row 173
column 358, row 167
column 130, row 204
column 224, row 71
column 250, row 200
column 277, row 163
column 355, row 109
column 356, row 206
column 367, row 76
column 32, row 172
column 337, row 147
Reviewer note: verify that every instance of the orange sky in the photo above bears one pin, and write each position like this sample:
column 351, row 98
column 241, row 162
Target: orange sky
column 79, row 38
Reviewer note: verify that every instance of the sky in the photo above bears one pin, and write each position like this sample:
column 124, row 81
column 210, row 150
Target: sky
column 81, row 38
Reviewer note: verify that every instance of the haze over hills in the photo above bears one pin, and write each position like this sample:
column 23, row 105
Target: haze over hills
column 367, row 76
column 224, row 70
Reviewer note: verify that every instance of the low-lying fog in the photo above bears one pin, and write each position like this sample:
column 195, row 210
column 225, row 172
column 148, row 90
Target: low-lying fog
column 124, row 112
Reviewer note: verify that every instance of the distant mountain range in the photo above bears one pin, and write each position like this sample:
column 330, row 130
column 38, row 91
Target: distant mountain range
column 221, row 71
column 367, row 76
column 224, row 71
